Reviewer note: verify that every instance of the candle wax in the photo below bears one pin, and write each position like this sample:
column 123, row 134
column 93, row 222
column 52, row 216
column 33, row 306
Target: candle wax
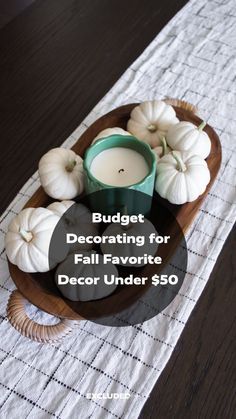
column 119, row 166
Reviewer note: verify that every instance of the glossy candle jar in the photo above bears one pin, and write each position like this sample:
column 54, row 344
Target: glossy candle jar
column 114, row 198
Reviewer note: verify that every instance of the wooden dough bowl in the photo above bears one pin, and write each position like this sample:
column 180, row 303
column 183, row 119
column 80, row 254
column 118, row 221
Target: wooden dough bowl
column 40, row 289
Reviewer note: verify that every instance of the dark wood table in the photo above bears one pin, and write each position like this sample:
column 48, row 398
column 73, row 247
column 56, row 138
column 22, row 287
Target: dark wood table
column 57, row 59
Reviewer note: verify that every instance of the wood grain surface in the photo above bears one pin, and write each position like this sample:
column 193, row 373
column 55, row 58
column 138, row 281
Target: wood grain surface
column 57, row 60
column 11, row 8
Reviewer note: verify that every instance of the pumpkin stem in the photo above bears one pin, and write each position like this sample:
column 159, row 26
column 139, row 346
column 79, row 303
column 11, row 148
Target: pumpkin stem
column 70, row 166
column 180, row 164
column 164, row 145
column 202, row 126
column 125, row 212
column 152, row 128
column 26, row 235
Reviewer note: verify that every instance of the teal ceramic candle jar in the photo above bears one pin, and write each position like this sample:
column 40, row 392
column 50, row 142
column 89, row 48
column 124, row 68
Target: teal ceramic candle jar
column 116, row 165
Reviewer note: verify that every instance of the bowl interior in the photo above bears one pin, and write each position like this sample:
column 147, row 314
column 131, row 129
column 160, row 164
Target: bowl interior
column 40, row 289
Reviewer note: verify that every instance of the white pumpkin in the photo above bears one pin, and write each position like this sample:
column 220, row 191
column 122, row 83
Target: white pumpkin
column 130, row 249
column 28, row 238
column 186, row 136
column 61, row 173
column 161, row 150
column 60, row 207
column 77, row 220
column 110, row 131
column 151, row 120
column 83, row 292
column 181, row 177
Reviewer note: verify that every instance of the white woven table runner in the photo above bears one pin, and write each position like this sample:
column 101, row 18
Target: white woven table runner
column 193, row 58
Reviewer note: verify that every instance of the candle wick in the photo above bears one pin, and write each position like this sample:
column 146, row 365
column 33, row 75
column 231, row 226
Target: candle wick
column 121, row 170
